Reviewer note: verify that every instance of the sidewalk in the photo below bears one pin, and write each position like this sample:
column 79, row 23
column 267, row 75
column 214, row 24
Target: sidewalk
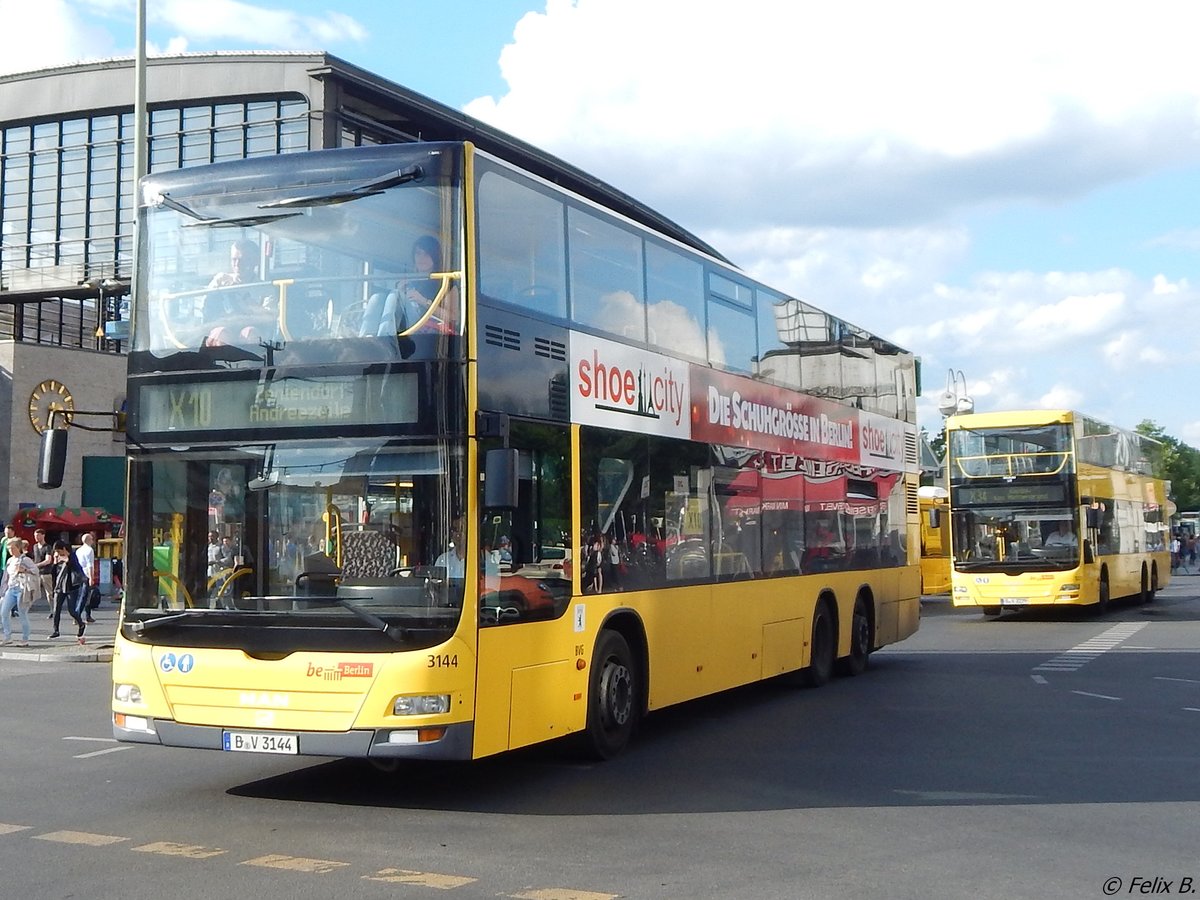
column 99, row 637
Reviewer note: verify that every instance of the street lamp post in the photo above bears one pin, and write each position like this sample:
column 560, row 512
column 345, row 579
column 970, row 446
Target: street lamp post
column 955, row 398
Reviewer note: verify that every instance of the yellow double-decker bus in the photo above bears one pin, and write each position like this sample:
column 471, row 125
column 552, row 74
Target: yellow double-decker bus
column 460, row 459
column 1053, row 508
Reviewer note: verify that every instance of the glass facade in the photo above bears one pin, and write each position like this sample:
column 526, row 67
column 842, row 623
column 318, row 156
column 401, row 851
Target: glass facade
column 66, row 189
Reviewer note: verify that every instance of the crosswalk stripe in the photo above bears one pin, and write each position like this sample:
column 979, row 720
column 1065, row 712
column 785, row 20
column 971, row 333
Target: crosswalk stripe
column 295, row 863
column 168, row 848
column 80, row 837
column 422, row 879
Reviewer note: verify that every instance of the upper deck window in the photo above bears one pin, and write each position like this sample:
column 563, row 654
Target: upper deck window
column 522, row 252
column 606, row 276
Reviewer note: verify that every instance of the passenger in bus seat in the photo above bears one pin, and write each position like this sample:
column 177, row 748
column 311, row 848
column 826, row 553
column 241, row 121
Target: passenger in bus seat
column 388, row 314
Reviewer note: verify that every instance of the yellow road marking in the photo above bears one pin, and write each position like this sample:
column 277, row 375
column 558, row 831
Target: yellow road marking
column 295, row 863
column 424, row 879
column 11, row 829
column 80, row 837
column 167, row 848
column 562, row 894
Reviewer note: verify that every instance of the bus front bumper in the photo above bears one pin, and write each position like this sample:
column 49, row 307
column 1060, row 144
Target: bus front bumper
column 456, row 741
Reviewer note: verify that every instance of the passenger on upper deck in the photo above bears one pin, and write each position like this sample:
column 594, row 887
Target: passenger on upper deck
column 226, row 309
column 398, row 310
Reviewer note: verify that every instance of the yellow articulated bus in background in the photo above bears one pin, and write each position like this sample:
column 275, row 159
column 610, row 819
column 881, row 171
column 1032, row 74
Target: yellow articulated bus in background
column 935, row 539
column 1054, row 508
column 353, row 468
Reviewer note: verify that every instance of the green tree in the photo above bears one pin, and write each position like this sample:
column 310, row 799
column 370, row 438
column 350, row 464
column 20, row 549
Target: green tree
column 1179, row 462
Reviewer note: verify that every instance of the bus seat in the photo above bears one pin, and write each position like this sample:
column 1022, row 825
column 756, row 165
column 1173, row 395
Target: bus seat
column 367, row 554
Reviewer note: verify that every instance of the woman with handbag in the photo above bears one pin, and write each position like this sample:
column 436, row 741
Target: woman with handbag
column 23, row 581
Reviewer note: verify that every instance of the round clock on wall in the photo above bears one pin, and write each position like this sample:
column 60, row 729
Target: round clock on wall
column 47, row 396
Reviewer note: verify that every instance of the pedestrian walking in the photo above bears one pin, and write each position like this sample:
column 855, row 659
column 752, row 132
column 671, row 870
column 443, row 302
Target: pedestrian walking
column 69, row 588
column 22, row 581
column 43, row 558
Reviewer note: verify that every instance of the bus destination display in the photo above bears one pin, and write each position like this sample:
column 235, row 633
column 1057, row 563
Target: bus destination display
column 343, row 400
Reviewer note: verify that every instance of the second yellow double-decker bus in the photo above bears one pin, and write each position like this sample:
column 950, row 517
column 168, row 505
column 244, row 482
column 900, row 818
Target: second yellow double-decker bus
column 455, row 460
column 1053, row 508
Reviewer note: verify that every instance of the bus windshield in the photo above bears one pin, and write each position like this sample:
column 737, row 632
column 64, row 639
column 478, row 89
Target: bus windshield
column 349, row 544
column 1028, row 538
column 303, row 262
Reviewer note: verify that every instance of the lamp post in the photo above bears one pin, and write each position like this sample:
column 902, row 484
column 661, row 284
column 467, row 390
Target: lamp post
column 955, row 398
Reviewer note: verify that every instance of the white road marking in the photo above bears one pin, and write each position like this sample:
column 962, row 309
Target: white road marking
column 1039, row 679
column 100, row 752
column 97, row 740
column 1097, row 696
column 1082, row 654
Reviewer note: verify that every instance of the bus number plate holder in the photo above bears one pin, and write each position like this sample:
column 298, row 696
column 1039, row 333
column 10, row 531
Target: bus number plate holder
column 1014, row 601
column 260, row 742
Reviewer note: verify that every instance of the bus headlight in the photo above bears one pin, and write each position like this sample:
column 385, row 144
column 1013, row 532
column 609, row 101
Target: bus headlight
column 421, row 705
column 1069, row 587
column 127, row 693
column 961, row 589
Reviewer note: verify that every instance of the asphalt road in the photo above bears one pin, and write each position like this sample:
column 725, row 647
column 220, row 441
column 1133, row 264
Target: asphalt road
column 1031, row 756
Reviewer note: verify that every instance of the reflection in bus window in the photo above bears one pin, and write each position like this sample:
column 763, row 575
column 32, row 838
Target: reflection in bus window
column 606, row 276
column 675, row 301
column 521, row 250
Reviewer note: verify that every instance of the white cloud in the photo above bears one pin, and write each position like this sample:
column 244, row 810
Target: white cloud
column 62, row 35
column 200, row 21
column 936, row 104
column 76, row 31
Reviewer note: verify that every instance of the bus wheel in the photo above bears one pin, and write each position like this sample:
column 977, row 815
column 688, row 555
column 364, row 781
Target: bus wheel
column 1153, row 581
column 824, row 647
column 1101, row 606
column 612, row 696
column 860, row 642
column 1144, row 595
column 991, row 610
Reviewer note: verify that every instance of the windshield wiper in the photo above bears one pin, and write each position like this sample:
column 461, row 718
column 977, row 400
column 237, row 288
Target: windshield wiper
column 201, row 221
column 395, row 632
column 147, row 624
column 250, row 221
column 367, row 189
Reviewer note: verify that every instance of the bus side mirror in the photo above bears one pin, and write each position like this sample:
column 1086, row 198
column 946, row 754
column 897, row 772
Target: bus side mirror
column 935, row 519
column 1088, row 556
column 501, row 480
column 1095, row 517
column 52, row 458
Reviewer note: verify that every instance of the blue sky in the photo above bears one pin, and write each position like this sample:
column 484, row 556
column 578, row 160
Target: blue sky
column 1006, row 189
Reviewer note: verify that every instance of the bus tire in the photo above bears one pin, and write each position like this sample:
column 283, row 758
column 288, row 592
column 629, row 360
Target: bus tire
column 1144, row 595
column 1153, row 581
column 823, row 646
column 612, row 696
column 1101, row 606
column 860, row 642
column 991, row 611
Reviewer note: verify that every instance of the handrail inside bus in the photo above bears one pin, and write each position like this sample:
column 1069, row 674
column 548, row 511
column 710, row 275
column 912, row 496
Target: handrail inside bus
column 188, row 603
column 333, row 532
column 282, row 284
column 1015, row 465
column 445, row 278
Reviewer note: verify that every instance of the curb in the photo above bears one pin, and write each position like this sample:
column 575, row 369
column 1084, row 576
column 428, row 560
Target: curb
column 86, row 654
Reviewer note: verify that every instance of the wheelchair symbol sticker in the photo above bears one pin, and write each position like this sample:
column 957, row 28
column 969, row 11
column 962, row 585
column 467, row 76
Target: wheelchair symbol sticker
column 169, row 662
